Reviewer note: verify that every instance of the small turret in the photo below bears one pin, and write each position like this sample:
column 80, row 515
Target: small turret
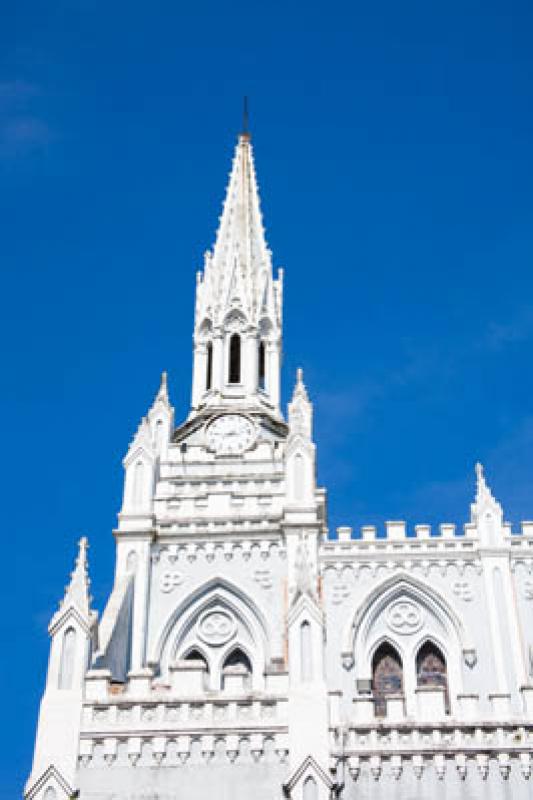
column 300, row 463
column 142, row 461
column 71, row 630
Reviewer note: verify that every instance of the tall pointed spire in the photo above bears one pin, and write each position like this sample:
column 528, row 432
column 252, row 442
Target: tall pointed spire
column 237, row 298
column 238, row 272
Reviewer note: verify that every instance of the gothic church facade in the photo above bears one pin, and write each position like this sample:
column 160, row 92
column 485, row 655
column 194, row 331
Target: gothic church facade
column 245, row 653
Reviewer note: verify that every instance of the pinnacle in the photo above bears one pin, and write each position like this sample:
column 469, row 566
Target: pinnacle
column 77, row 592
column 299, row 387
column 162, row 394
column 484, row 495
column 482, row 489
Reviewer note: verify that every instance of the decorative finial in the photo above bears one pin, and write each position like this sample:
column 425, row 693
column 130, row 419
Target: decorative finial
column 484, row 500
column 77, row 591
column 162, row 392
column 482, row 488
column 81, row 560
column 299, row 375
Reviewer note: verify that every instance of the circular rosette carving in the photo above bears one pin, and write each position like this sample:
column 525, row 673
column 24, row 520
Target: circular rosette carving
column 404, row 617
column 216, row 627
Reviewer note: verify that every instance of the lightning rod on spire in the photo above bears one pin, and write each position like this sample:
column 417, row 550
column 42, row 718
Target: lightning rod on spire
column 245, row 117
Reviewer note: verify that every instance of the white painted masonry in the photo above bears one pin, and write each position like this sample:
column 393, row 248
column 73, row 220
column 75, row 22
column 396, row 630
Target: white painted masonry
column 243, row 652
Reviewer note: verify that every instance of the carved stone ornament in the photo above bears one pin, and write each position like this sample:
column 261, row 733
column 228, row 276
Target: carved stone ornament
column 169, row 581
column 463, row 590
column 216, row 627
column 347, row 660
column 404, row 617
column 470, row 657
column 528, row 590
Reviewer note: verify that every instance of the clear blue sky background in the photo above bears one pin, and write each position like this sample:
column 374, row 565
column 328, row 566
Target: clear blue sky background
column 394, row 150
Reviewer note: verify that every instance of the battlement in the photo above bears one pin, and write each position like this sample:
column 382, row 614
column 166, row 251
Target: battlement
column 396, row 535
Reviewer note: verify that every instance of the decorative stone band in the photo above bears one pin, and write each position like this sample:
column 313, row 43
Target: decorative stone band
column 173, row 750
column 188, row 552
column 484, row 747
column 466, row 765
column 192, row 715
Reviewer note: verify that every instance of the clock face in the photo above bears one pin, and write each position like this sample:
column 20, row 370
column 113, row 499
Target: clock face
column 230, row 434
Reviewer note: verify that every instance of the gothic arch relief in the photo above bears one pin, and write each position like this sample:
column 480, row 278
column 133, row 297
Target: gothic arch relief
column 406, row 612
column 216, row 618
column 235, row 321
column 205, row 330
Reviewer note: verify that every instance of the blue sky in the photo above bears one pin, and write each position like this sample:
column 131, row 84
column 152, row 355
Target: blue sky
column 393, row 148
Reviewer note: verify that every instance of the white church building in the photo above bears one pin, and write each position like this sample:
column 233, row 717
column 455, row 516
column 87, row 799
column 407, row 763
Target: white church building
column 244, row 652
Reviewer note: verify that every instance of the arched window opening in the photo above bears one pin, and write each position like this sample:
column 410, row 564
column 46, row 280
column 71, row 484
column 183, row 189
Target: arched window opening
column 209, row 367
column 299, row 477
column 239, row 659
column 68, row 651
column 138, row 488
column 196, row 655
column 387, row 676
column 431, row 669
column 235, row 358
column 159, row 434
column 310, row 789
column 306, row 652
column 50, row 794
column 261, row 367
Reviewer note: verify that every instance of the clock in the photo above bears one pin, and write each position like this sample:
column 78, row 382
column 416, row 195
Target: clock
column 230, row 434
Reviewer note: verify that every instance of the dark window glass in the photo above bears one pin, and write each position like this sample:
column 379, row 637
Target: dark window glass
column 235, row 359
column 195, row 655
column 261, row 366
column 387, row 677
column 239, row 659
column 209, row 367
column 431, row 668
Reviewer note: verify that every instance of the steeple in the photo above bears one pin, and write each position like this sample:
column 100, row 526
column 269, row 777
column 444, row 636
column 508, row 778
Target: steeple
column 237, row 332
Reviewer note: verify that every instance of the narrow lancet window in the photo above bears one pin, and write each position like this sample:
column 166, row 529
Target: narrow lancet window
column 239, row 659
column 387, row 676
column 138, row 481
column 261, row 367
column 431, row 669
column 235, row 359
column 68, row 651
column 209, row 367
column 310, row 789
column 306, row 652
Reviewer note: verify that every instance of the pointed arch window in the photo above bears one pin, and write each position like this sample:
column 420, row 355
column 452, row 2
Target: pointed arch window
column 138, row 481
column 261, row 367
column 431, row 669
column 209, row 367
column 306, row 652
column 387, row 676
column 237, row 658
column 68, row 651
column 235, row 358
column 310, row 789
column 196, row 655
